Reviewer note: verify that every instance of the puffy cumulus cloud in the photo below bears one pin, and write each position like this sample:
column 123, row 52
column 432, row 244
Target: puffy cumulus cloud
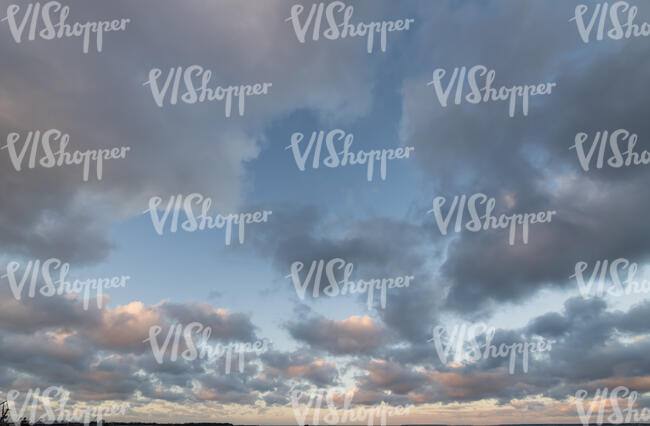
column 275, row 398
column 468, row 387
column 63, row 351
column 617, row 342
column 227, row 397
column 593, row 347
column 29, row 315
column 594, row 221
column 227, row 388
column 378, row 247
column 122, row 328
column 175, row 149
column 41, row 219
column 224, row 325
column 300, row 365
column 391, row 382
column 353, row 335
column 387, row 375
column 101, row 354
column 410, row 313
column 43, row 360
column 524, row 162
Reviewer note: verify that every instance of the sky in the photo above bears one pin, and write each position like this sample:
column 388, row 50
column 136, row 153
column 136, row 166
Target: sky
column 375, row 354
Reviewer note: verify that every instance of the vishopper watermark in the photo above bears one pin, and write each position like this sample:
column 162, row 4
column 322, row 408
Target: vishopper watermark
column 334, row 415
column 344, row 157
column 620, row 26
column 486, row 221
column 463, row 342
column 315, row 276
column 59, row 156
column 202, row 350
column 603, row 140
column 616, row 286
column 51, row 17
column 53, row 401
column 603, row 399
column 48, row 286
column 196, row 80
column 483, row 91
column 338, row 16
column 203, row 221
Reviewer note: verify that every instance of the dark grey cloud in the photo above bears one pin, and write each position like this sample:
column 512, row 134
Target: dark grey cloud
column 174, row 149
column 354, row 335
column 527, row 160
column 377, row 247
column 586, row 353
column 300, row 364
column 224, row 325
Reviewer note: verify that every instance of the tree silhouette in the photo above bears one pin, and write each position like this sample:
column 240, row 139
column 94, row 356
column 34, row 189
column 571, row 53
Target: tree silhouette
column 4, row 412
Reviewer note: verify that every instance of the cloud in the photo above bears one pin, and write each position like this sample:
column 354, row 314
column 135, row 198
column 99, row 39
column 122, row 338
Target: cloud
column 300, row 364
column 525, row 162
column 175, row 149
column 100, row 354
column 354, row 335
column 377, row 247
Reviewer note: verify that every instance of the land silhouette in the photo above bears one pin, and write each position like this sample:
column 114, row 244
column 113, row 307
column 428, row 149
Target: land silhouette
column 4, row 416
